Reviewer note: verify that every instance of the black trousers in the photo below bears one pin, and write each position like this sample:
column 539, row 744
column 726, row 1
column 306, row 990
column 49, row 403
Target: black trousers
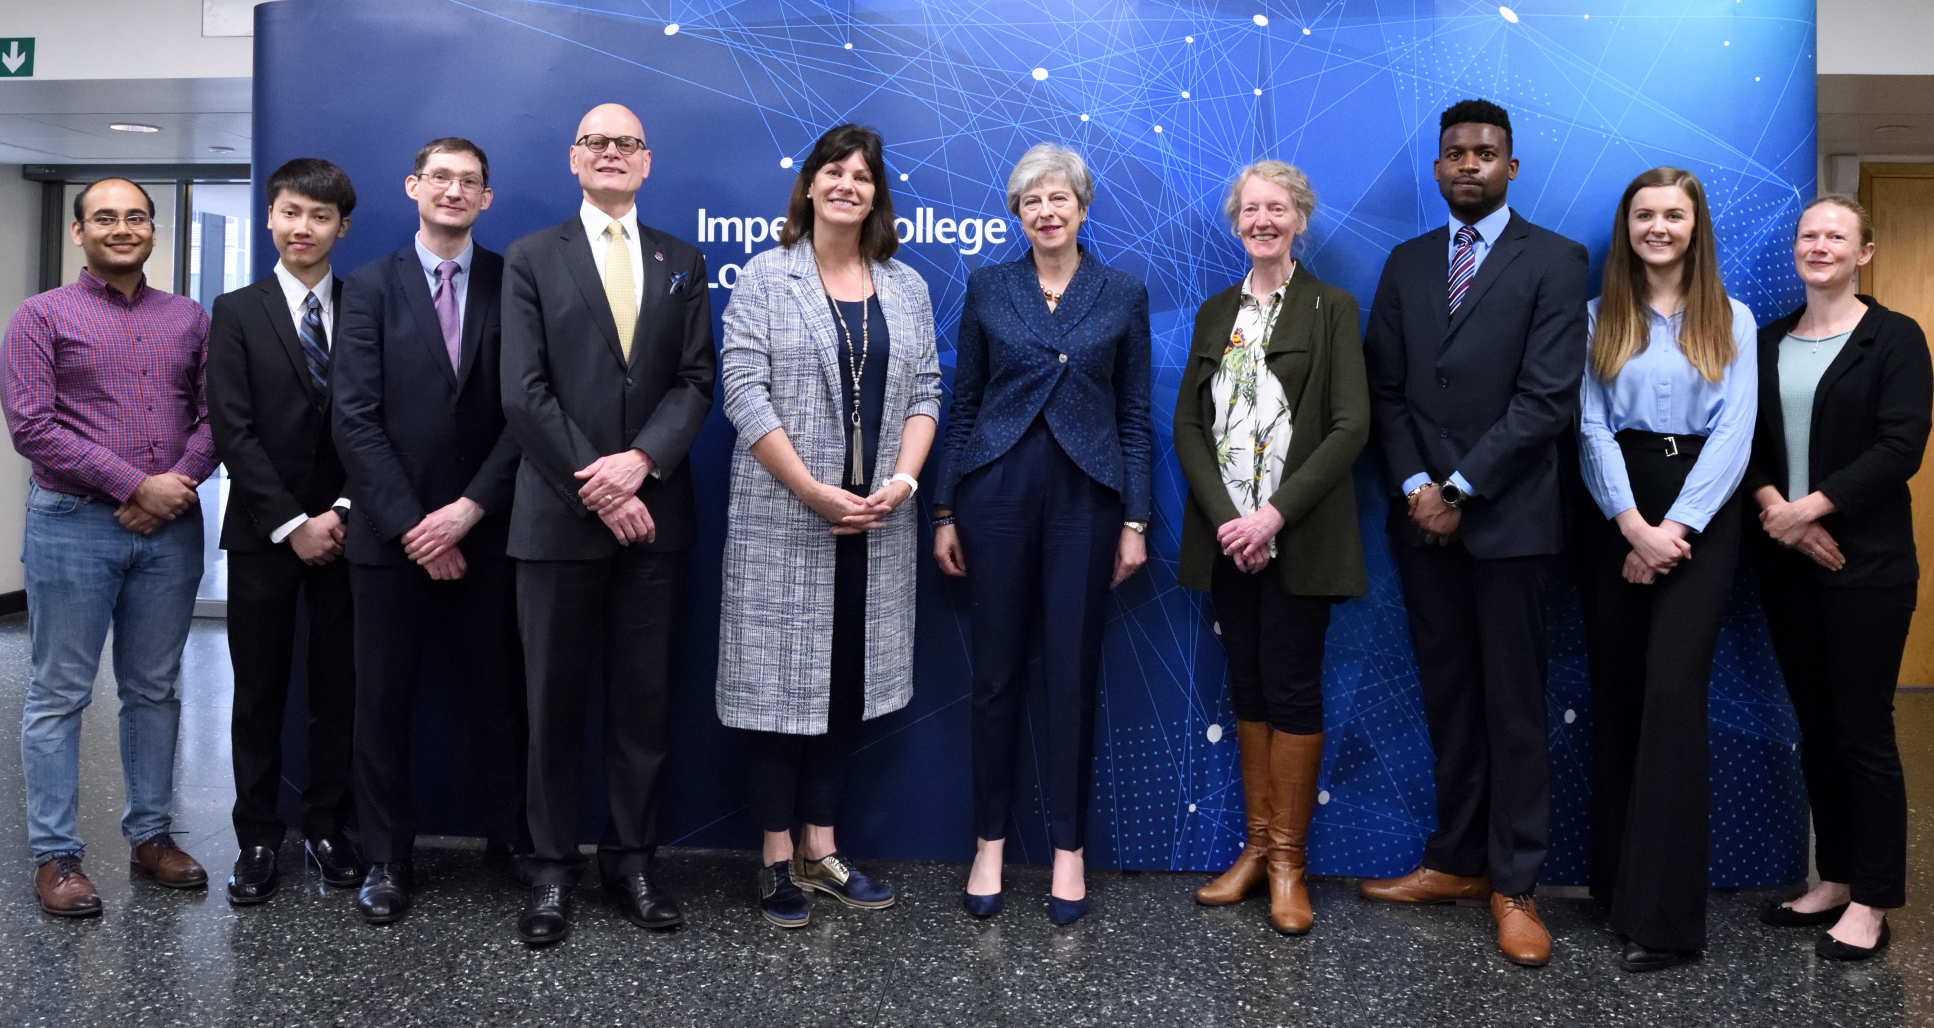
column 1274, row 642
column 1839, row 651
column 1039, row 538
column 263, row 590
column 1477, row 627
column 1650, row 650
column 407, row 625
column 597, row 627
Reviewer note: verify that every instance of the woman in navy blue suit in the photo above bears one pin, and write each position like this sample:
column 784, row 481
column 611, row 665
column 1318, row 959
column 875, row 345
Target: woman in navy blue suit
column 1046, row 495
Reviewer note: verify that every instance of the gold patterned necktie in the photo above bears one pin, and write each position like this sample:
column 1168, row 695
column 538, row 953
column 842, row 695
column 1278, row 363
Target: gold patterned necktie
column 618, row 288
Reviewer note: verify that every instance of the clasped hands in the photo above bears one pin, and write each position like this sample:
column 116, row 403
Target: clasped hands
column 851, row 514
column 1796, row 526
column 159, row 498
column 610, row 491
column 1437, row 520
column 1656, row 549
column 1245, row 540
column 433, row 542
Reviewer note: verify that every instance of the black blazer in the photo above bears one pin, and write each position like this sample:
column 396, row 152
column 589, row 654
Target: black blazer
column 415, row 434
column 271, row 430
column 1487, row 393
column 570, row 397
column 1869, row 429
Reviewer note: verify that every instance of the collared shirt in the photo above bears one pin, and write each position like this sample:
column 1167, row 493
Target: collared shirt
column 103, row 391
column 461, row 280
column 1658, row 390
column 1252, row 416
column 297, row 295
column 594, row 222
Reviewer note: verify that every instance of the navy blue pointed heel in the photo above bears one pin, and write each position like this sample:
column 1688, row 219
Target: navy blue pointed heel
column 982, row 907
column 1062, row 911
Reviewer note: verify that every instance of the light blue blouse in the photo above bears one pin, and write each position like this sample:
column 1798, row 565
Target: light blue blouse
column 1660, row 391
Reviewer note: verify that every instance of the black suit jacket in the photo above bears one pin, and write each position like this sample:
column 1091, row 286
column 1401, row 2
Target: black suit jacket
column 414, row 433
column 570, row 397
column 271, row 430
column 1869, row 430
column 1487, row 393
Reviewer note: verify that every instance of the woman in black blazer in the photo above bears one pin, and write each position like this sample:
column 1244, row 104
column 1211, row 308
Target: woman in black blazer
column 1845, row 392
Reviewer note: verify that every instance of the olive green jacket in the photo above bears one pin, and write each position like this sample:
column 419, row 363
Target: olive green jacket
column 1316, row 352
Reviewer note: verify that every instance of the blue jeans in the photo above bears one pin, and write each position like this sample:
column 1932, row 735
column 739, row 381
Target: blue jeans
column 86, row 573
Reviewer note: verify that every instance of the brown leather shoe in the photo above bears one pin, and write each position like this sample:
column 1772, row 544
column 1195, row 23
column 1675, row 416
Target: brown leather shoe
column 1294, row 763
column 1246, row 875
column 1521, row 934
column 160, row 859
column 1424, row 885
column 64, row 891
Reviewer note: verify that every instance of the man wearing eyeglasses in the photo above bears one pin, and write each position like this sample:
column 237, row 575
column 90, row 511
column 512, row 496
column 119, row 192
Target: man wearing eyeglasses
column 421, row 432
column 104, row 396
column 608, row 371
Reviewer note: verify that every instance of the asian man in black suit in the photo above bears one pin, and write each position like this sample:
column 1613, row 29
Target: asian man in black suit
column 268, row 408
column 430, row 463
column 1475, row 347
column 608, row 372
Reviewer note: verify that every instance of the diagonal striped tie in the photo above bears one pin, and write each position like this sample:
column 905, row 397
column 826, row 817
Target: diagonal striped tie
column 1463, row 265
column 315, row 345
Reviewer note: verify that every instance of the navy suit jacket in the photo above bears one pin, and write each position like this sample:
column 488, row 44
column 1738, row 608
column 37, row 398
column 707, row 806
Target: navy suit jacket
column 1084, row 366
column 1487, row 393
column 414, row 433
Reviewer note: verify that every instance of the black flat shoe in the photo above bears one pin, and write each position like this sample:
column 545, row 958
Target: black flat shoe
column 385, row 895
column 255, row 878
column 1830, row 948
column 1779, row 915
column 341, row 865
column 644, row 903
column 547, row 917
column 1639, row 958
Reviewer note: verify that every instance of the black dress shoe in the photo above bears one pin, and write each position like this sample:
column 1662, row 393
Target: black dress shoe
column 1830, row 948
column 643, row 903
column 385, row 895
column 1639, row 958
column 547, row 917
column 1779, row 915
column 503, row 857
column 341, row 865
column 255, row 878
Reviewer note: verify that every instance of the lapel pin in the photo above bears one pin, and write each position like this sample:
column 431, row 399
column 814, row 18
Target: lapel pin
column 658, row 255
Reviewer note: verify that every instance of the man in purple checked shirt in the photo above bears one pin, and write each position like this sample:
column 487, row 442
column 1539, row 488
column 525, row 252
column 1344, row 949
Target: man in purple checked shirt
column 105, row 397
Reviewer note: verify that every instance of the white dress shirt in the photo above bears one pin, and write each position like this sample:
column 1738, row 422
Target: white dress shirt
column 594, row 224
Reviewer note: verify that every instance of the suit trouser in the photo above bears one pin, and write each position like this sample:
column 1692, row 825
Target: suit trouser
column 1477, row 628
column 263, row 589
column 1650, row 650
column 402, row 615
column 1039, row 538
column 1839, row 651
column 597, row 625
column 1274, row 641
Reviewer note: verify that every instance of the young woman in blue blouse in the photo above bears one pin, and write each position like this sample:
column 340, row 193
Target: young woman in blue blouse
column 1665, row 429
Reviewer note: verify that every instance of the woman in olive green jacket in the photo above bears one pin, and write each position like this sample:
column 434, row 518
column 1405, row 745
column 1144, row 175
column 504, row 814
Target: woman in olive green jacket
column 1273, row 410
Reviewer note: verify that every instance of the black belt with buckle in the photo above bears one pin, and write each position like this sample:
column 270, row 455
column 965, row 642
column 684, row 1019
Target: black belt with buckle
column 1661, row 444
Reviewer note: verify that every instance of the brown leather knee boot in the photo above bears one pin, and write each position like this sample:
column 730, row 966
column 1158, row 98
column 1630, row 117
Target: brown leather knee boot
column 1294, row 763
column 1246, row 875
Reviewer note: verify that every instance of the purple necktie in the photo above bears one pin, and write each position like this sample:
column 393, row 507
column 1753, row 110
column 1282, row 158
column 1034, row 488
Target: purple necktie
column 1463, row 265
column 446, row 312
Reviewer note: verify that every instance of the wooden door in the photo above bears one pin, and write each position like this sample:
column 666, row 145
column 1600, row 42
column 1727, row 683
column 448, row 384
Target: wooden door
column 1901, row 275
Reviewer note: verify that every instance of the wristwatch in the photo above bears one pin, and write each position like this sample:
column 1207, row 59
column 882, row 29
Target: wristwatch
column 342, row 511
column 1138, row 527
column 1453, row 497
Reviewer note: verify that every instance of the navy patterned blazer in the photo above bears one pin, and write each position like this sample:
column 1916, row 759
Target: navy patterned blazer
column 1084, row 366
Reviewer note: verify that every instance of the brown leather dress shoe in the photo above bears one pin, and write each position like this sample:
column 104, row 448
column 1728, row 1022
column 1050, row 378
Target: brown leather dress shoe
column 160, row 859
column 1424, row 885
column 1521, row 934
column 64, row 891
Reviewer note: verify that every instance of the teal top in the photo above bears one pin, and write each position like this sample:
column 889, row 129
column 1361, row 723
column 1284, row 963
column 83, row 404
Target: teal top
column 1802, row 362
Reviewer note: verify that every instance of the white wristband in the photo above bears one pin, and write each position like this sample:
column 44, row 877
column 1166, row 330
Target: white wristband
column 913, row 484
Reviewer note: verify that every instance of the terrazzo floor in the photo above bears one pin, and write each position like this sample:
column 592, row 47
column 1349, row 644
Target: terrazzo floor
column 1146, row 955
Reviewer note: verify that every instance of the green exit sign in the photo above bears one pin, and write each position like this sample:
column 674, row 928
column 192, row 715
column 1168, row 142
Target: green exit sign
column 17, row 57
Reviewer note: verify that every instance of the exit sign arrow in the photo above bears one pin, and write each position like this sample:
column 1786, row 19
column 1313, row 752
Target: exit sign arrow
column 17, row 57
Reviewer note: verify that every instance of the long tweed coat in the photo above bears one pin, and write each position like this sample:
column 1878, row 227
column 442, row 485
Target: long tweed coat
column 780, row 367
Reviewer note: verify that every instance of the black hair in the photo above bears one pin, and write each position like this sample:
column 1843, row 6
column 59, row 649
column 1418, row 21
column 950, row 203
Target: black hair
column 878, row 238
column 450, row 144
column 317, row 179
column 1476, row 112
column 80, row 198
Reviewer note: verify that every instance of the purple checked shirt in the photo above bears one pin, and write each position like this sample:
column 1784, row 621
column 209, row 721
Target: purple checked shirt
column 103, row 391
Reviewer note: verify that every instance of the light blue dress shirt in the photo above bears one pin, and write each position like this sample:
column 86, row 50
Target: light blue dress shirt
column 1659, row 390
column 1489, row 228
column 461, row 280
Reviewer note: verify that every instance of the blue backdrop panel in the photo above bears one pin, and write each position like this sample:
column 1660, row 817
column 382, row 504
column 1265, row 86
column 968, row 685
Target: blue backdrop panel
column 1166, row 100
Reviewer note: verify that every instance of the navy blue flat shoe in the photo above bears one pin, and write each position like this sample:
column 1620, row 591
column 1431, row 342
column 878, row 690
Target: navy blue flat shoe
column 982, row 907
column 1062, row 911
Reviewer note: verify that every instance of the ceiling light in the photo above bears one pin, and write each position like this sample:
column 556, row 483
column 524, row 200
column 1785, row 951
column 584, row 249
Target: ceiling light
column 1892, row 130
column 133, row 126
column 221, row 149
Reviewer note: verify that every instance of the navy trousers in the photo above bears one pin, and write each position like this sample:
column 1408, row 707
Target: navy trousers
column 1038, row 537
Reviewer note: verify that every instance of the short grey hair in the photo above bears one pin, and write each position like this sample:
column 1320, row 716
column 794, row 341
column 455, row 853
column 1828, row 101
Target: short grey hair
column 1280, row 173
column 1045, row 161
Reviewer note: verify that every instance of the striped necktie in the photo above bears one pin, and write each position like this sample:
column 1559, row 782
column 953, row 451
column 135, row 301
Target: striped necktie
column 1463, row 265
column 315, row 345
column 619, row 289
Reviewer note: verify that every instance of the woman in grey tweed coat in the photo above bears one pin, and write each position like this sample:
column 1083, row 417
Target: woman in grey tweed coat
column 832, row 381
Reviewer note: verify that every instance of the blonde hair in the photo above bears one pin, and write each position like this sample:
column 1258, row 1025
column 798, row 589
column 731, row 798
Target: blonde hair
column 1706, row 333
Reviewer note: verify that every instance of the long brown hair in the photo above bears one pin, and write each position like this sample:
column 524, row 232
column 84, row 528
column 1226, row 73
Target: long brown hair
column 1706, row 333
column 878, row 238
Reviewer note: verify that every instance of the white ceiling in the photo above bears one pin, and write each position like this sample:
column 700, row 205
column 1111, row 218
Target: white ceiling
column 66, row 121
column 1876, row 115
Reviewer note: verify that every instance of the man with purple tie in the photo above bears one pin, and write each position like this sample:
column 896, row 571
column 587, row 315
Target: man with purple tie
column 421, row 431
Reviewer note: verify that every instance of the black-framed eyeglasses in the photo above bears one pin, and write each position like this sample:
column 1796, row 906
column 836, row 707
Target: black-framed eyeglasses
column 599, row 143
column 135, row 220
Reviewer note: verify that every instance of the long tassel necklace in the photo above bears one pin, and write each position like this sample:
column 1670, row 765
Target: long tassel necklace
column 855, row 366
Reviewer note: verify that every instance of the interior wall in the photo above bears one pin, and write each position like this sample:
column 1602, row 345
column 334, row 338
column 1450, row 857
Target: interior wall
column 1875, row 37
column 19, row 274
column 152, row 39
